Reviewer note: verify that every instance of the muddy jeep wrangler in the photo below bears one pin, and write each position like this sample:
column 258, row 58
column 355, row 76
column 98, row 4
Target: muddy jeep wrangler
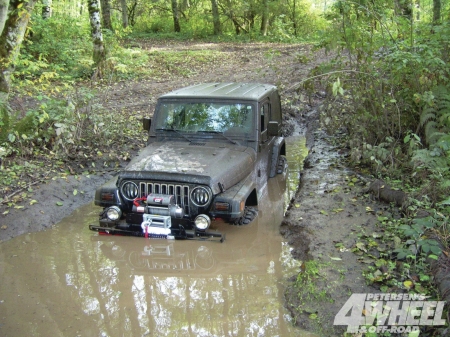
column 211, row 149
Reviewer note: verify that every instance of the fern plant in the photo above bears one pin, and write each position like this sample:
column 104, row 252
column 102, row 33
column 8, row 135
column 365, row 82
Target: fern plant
column 435, row 118
column 435, row 158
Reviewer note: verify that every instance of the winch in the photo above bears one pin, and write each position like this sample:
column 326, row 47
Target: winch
column 158, row 214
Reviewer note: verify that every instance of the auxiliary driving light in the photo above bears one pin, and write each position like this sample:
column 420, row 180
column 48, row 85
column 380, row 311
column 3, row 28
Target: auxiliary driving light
column 202, row 222
column 113, row 213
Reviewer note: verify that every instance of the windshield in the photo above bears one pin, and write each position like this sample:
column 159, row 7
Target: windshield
column 205, row 116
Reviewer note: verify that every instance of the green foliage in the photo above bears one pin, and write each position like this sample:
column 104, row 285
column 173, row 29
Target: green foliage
column 4, row 120
column 388, row 88
column 60, row 45
column 405, row 250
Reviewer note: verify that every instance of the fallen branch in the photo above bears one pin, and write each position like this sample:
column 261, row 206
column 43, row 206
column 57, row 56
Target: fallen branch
column 385, row 193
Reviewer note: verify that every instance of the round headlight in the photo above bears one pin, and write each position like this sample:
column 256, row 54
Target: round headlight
column 113, row 213
column 202, row 222
column 200, row 196
column 129, row 190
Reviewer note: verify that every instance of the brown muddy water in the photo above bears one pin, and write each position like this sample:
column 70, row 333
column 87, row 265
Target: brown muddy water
column 69, row 281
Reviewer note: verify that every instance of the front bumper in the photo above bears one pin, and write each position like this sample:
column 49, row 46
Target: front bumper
column 175, row 233
column 155, row 226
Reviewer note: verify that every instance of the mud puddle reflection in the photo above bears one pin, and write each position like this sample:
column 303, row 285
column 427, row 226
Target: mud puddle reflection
column 69, row 281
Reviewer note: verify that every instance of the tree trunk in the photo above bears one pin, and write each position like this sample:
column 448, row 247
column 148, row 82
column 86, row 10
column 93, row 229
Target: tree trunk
column 294, row 17
column 11, row 39
column 176, row 16
column 106, row 14
column 265, row 18
column 46, row 9
column 216, row 17
column 3, row 13
column 99, row 54
column 123, row 4
column 436, row 12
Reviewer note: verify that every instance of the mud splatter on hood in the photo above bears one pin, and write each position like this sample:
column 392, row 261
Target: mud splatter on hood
column 182, row 161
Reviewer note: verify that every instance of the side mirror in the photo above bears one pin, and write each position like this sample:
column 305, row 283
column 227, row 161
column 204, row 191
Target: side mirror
column 146, row 123
column 272, row 129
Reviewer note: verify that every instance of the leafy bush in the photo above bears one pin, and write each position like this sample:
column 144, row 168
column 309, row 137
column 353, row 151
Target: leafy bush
column 60, row 44
column 388, row 88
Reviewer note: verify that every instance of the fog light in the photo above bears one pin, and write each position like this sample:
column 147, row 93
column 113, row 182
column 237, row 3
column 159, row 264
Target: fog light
column 113, row 213
column 202, row 222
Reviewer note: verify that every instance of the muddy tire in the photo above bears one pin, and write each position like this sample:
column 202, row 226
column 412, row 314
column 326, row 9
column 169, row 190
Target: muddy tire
column 281, row 164
column 249, row 215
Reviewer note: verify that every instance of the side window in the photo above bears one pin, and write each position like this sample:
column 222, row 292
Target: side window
column 265, row 118
column 265, row 115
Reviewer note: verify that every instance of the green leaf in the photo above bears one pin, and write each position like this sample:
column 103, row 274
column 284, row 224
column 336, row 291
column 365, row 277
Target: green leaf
column 75, row 192
column 361, row 246
column 335, row 258
column 59, row 203
column 408, row 284
column 436, row 250
column 445, row 202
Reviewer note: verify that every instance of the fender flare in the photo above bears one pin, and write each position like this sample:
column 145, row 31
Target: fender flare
column 235, row 195
column 279, row 148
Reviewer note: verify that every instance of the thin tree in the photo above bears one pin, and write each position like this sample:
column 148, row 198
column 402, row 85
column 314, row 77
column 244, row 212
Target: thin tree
column 123, row 5
column 99, row 54
column 216, row 17
column 11, row 40
column 176, row 16
column 106, row 14
column 436, row 12
column 265, row 17
column 3, row 13
column 46, row 9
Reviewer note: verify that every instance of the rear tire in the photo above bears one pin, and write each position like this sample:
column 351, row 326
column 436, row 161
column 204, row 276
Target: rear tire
column 281, row 164
column 249, row 215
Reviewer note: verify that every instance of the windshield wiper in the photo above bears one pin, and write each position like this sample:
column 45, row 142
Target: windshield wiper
column 219, row 133
column 177, row 132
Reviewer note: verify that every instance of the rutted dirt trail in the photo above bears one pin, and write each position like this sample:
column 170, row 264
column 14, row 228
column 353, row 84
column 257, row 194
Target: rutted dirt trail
column 68, row 281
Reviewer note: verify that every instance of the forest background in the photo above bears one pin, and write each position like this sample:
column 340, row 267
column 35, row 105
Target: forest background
column 386, row 84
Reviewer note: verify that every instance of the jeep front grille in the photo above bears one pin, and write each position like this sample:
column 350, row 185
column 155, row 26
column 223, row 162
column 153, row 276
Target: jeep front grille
column 181, row 192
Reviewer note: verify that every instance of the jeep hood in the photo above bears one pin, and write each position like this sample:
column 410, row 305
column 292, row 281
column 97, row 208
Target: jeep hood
column 218, row 165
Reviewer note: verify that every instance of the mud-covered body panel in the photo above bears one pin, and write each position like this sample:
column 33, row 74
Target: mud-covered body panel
column 211, row 149
column 210, row 164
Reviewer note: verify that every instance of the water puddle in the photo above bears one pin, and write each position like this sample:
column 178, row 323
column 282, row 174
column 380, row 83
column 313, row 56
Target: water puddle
column 68, row 281
column 296, row 154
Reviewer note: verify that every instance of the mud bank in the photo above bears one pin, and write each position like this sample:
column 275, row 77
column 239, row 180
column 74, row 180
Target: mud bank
column 47, row 203
column 322, row 225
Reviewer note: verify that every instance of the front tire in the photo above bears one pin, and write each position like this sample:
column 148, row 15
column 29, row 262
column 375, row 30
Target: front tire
column 249, row 215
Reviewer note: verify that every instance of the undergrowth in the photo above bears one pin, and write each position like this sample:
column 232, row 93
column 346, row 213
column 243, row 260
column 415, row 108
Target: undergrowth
column 388, row 90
